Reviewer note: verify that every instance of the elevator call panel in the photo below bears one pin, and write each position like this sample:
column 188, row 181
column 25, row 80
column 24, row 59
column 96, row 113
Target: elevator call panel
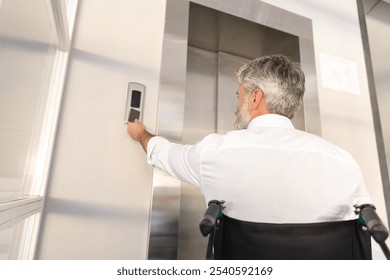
column 134, row 102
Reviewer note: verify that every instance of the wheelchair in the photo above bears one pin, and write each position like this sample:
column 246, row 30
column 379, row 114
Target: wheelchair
column 232, row 239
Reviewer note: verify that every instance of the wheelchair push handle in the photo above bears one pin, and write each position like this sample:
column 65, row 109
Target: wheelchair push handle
column 210, row 216
column 374, row 224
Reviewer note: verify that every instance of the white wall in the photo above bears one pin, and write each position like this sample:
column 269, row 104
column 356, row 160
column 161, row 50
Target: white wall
column 99, row 192
column 346, row 118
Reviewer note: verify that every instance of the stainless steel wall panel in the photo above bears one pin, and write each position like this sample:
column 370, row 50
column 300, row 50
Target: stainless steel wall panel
column 227, row 87
column 215, row 31
column 164, row 222
column 166, row 190
column 191, row 244
column 200, row 97
column 173, row 71
column 200, row 116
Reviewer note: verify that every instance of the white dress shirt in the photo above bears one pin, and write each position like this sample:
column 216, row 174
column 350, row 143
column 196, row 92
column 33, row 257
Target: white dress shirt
column 269, row 172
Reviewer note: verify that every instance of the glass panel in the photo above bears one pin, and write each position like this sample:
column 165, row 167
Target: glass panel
column 10, row 239
column 5, row 241
column 27, row 53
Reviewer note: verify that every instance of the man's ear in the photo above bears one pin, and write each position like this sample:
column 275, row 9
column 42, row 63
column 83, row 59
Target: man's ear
column 256, row 98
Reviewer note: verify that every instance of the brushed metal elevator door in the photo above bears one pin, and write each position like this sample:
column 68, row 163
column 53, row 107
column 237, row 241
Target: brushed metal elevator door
column 209, row 108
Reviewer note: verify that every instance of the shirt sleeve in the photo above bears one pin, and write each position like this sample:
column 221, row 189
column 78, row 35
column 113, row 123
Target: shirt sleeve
column 180, row 161
column 361, row 196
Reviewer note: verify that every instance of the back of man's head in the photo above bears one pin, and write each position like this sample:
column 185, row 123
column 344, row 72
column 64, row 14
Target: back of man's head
column 281, row 81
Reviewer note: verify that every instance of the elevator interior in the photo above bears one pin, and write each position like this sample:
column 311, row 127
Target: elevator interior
column 216, row 44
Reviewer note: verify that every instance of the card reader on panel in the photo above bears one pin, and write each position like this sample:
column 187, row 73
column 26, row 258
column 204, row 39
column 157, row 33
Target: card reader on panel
column 134, row 102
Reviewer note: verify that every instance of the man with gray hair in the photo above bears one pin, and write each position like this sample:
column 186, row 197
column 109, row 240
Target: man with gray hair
column 266, row 170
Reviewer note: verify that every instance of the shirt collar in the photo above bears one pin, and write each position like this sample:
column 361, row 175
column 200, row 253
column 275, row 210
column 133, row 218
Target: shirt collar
column 270, row 120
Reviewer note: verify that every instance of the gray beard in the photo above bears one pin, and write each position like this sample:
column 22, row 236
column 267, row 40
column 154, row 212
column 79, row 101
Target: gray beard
column 242, row 119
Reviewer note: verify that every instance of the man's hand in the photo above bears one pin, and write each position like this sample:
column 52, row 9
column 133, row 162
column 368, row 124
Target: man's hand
column 137, row 131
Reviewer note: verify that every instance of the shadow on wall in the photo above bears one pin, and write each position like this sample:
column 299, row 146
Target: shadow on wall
column 94, row 210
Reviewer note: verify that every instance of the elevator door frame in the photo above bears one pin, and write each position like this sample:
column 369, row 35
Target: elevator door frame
column 166, row 190
column 368, row 11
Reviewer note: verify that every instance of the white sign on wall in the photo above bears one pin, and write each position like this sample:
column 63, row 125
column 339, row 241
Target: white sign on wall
column 339, row 74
